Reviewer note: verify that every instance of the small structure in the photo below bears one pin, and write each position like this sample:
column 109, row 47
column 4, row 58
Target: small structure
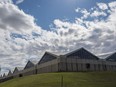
column 17, row 72
column 30, row 68
column 8, row 77
column 0, row 76
column 47, row 57
column 112, row 57
column 111, row 62
column 30, row 64
column 4, row 75
column 48, row 63
column 79, row 60
column 9, row 73
column 17, row 69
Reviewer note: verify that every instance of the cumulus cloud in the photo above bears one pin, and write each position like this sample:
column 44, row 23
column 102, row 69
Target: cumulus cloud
column 95, row 25
column 102, row 6
column 22, row 39
column 6, row 1
column 11, row 18
column 19, row 1
column 97, row 14
column 14, row 23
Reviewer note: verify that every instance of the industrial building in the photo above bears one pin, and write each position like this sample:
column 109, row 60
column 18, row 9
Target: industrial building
column 79, row 60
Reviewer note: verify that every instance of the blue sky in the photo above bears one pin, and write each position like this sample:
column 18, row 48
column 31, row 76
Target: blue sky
column 45, row 11
column 28, row 28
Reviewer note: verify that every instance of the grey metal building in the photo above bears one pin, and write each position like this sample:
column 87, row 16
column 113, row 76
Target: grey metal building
column 75, row 61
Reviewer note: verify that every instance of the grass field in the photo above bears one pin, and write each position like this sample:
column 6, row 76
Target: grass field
column 70, row 79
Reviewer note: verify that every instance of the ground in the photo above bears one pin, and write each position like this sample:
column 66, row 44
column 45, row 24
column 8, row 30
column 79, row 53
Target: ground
column 70, row 79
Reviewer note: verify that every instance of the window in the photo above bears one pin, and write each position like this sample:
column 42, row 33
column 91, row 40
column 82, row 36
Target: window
column 20, row 75
column 88, row 66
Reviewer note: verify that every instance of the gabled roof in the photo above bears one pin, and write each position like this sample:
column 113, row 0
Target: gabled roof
column 112, row 57
column 4, row 75
column 30, row 64
column 0, row 76
column 20, row 68
column 34, row 62
column 17, row 69
column 105, row 55
column 9, row 73
column 82, row 54
column 47, row 57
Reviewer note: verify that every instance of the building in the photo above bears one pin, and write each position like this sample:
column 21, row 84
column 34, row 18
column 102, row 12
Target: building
column 17, row 72
column 79, row 60
column 111, row 57
column 75, row 61
column 30, row 68
column 9, row 73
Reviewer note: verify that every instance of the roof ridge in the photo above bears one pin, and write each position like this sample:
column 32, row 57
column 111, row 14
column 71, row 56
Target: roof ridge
column 20, row 68
column 74, row 51
column 51, row 54
column 111, row 55
column 82, row 49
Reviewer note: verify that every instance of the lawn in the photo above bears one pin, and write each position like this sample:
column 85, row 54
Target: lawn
column 70, row 79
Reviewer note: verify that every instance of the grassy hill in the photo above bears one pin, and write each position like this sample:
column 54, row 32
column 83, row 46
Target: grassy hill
column 70, row 79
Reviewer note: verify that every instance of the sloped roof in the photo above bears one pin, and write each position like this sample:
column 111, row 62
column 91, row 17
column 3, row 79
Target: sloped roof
column 34, row 62
column 18, row 69
column 81, row 53
column 112, row 57
column 105, row 55
column 4, row 75
column 0, row 76
column 47, row 57
column 30, row 64
column 9, row 73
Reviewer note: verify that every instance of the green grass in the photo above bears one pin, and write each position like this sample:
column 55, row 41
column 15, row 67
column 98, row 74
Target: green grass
column 71, row 79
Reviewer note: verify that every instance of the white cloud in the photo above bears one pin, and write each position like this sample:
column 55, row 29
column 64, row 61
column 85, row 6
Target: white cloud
column 93, row 12
column 96, row 35
column 83, row 11
column 19, row 1
column 77, row 10
column 6, row 1
column 11, row 18
column 97, row 14
column 102, row 6
column 112, row 6
column 14, row 20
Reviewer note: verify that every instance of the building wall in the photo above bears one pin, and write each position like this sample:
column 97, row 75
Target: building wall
column 50, row 66
column 75, row 65
column 63, row 64
column 29, row 71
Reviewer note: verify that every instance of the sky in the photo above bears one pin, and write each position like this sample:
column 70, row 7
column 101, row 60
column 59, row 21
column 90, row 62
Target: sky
column 28, row 28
